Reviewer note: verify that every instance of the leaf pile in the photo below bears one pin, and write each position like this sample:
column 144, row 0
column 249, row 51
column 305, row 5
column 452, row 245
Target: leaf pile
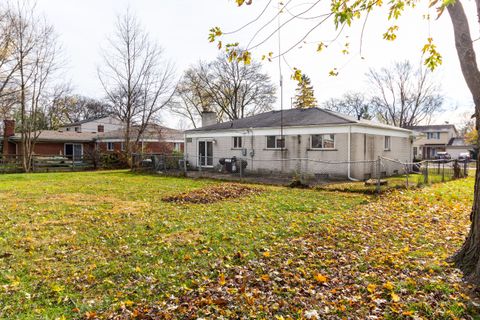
column 211, row 194
column 383, row 260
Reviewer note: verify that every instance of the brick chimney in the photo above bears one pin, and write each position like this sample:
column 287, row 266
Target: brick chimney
column 209, row 118
column 8, row 131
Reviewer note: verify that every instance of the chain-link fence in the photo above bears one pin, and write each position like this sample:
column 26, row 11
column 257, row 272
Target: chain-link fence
column 155, row 162
column 371, row 175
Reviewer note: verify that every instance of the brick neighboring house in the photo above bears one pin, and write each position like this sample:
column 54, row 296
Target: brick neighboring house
column 431, row 139
column 104, row 134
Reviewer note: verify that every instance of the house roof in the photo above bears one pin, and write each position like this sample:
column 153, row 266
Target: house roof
column 165, row 134
column 433, row 128
column 59, row 136
column 292, row 118
column 458, row 142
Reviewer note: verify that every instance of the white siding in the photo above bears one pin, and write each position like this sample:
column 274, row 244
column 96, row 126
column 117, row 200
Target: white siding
column 297, row 146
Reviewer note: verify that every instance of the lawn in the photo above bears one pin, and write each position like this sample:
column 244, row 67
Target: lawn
column 104, row 244
column 72, row 243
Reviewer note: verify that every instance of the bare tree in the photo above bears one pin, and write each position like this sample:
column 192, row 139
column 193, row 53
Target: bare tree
column 232, row 89
column 35, row 52
column 354, row 104
column 404, row 96
column 8, row 64
column 191, row 97
column 137, row 81
column 68, row 108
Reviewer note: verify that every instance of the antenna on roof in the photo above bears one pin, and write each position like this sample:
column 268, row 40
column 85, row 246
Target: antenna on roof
column 281, row 77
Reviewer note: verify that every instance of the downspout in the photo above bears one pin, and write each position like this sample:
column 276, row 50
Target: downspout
column 349, row 157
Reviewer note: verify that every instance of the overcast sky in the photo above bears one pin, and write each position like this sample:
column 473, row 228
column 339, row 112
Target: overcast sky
column 181, row 28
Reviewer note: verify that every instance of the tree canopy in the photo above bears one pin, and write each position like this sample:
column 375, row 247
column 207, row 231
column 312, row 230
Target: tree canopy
column 305, row 95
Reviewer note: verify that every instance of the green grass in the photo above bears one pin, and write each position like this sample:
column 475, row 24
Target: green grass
column 75, row 242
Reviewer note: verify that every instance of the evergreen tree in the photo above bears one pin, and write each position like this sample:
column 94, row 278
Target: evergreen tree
column 305, row 97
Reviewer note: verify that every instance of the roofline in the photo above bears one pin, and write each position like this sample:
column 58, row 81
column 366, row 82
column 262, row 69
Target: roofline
column 387, row 127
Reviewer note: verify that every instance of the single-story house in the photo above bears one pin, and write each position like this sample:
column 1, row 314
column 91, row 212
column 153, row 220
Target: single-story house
column 313, row 141
column 104, row 134
column 431, row 139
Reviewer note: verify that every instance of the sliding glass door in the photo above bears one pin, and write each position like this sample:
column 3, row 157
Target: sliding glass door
column 74, row 151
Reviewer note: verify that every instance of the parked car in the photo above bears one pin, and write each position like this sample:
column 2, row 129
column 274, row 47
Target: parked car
column 443, row 156
column 464, row 157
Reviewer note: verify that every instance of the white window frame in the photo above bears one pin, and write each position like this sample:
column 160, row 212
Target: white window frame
column 433, row 135
column 277, row 138
column 110, row 144
column 387, row 143
column 323, row 148
column 236, row 139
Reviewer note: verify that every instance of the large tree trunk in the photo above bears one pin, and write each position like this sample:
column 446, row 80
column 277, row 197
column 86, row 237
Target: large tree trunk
column 467, row 258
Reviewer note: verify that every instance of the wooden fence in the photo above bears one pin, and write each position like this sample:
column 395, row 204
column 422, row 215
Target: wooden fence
column 46, row 163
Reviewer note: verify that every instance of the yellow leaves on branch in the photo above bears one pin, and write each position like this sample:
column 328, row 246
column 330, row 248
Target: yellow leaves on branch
column 391, row 35
column 215, row 32
column 242, row 2
column 434, row 58
column 297, row 75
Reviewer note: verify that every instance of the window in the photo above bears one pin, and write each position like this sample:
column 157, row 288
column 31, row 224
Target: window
column 69, row 129
column 77, row 129
column 237, row 142
column 177, row 146
column 122, row 146
column 433, row 135
column 109, row 146
column 100, row 128
column 275, row 142
column 323, row 141
column 415, row 152
column 387, row 143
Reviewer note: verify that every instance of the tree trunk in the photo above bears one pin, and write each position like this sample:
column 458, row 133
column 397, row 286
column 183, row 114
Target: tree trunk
column 467, row 258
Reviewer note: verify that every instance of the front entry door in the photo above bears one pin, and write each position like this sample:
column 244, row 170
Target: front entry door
column 205, row 153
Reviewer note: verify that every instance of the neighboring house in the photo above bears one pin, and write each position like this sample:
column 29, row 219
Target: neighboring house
column 105, row 134
column 170, row 140
column 275, row 140
column 432, row 139
column 457, row 146
column 103, row 124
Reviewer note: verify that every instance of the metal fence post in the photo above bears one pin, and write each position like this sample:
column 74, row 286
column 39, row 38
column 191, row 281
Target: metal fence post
column 185, row 157
column 241, row 168
column 425, row 177
column 407, row 171
column 443, row 171
column 465, row 168
column 379, row 164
